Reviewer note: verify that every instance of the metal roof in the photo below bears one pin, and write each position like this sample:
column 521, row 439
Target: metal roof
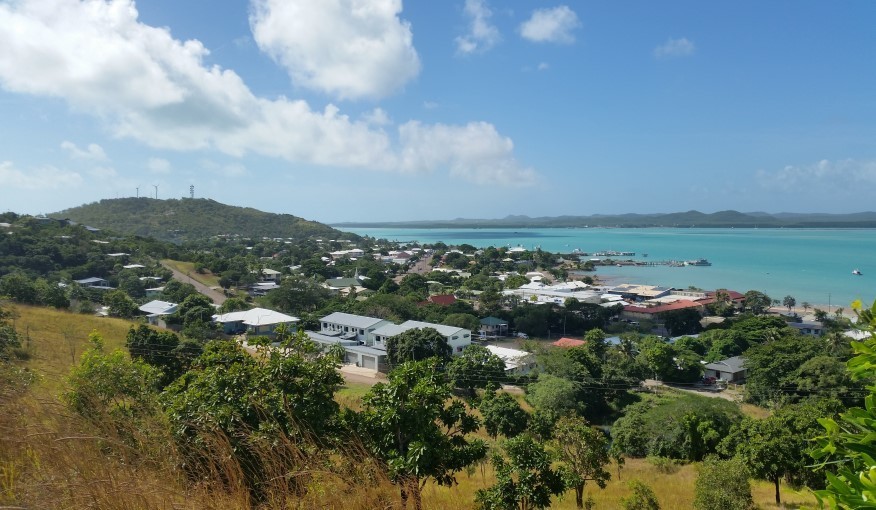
column 349, row 319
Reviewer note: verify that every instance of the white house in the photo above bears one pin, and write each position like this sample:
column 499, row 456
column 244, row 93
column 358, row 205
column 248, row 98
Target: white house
column 516, row 362
column 457, row 338
column 258, row 321
column 351, row 327
column 155, row 310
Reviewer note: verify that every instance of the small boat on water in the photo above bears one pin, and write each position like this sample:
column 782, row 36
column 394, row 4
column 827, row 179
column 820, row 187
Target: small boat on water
column 698, row 262
column 857, row 272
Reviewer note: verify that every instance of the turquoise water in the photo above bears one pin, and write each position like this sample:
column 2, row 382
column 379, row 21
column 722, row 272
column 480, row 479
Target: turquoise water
column 813, row 265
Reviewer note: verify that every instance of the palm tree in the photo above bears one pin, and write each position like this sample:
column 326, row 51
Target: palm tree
column 806, row 306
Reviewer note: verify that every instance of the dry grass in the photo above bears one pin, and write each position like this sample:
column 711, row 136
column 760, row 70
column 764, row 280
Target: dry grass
column 55, row 339
column 674, row 491
column 188, row 268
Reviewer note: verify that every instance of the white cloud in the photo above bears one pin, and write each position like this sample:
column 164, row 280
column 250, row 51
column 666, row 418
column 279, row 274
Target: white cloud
column 551, row 25
column 377, row 117
column 44, row 177
column 847, row 174
column 675, row 48
column 158, row 165
column 350, row 49
column 543, row 66
column 475, row 152
column 482, row 35
column 430, row 105
column 148, row 86
column 93, row 151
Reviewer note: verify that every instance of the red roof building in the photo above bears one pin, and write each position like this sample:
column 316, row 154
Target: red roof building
column 649, row 312
column 567, row 342
column 440, row 299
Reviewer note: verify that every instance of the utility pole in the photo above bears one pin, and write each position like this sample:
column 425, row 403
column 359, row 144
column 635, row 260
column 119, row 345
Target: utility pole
column 156, row 191
column 138, row 191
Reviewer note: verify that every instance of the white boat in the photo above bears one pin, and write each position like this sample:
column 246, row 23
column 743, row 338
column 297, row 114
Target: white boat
column 857, row 272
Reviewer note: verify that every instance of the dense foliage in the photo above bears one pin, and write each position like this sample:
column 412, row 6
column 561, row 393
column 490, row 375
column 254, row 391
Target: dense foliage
column 677, row 426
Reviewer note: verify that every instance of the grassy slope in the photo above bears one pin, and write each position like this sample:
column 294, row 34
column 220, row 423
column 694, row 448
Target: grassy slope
column 51, row 357
column 188, row 268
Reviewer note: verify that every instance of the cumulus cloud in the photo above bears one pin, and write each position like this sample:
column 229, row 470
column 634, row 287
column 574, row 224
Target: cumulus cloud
column 554, row 25
column 476, row 152
column 675, row 48
column 377, row 117
column 145, row 85
column 44, row 177
column 92, row 152
column 846, row 174
column 482, row 35
column 158, row 165
column 347, row 48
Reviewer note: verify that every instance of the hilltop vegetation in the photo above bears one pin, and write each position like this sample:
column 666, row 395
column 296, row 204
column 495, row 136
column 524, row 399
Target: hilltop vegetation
column 190, row 219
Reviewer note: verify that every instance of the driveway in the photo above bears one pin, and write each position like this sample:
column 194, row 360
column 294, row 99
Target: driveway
column 216, row 296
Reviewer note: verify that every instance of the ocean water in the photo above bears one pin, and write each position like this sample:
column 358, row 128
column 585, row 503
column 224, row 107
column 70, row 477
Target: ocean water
column 813, row 265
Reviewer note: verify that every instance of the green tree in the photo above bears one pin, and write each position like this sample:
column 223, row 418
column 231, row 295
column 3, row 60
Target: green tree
column 776, row 447
column 502, row 415
column 111, row 386
column 120, row 304
column 584, row 452
column 642, row 497
column 757, row 302
column 462, row 320
column 525, row 479
column 789, row 302
column 774, row 366
column 846, row 441
column 245, row 400
column 723, row 484
column 681, row 322
column 234, row 304
column 8, row 336
column 298, row 295
column 554, row 395
column 476, row 367
column 410, row 424
column 176, row 291
column 19, row 287
column 163, row 350
column 417, row 344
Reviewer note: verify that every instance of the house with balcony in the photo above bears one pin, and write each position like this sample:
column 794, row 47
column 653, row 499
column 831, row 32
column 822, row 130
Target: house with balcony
column 457, row 338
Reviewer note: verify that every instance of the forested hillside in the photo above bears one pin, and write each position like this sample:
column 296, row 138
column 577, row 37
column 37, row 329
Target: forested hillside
column 193, row 218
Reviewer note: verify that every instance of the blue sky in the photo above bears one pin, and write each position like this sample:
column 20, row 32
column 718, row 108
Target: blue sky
column 387, row 110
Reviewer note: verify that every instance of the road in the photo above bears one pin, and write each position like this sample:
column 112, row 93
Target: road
column 216, row 296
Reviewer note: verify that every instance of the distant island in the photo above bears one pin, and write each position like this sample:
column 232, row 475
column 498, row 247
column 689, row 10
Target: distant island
column 689, row 219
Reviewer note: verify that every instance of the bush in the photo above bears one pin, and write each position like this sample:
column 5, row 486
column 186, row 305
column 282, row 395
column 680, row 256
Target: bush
column 642, row 498
column 723, row 484
column 664, row 464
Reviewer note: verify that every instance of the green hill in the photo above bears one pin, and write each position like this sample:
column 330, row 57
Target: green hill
column 193, row 218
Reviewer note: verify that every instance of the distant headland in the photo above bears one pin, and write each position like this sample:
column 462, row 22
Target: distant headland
column 689, row 219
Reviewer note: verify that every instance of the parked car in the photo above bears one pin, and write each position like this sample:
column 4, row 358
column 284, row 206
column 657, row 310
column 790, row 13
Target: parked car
column 522, row 335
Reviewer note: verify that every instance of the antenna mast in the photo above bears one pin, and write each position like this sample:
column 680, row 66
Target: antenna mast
column 192, row 191
column 156, row 191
